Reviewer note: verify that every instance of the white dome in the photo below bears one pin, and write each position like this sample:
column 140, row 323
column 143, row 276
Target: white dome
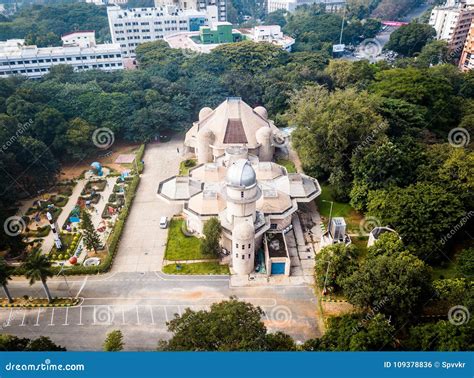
column 204, row 112
column 243, row 231
column 261, row 111
column 241, row 174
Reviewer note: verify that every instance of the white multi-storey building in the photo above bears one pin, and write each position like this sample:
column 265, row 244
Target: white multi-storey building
column 79, row 50
column 452, row 22
column 291, row 5
column 207, row 6
column 130, row 27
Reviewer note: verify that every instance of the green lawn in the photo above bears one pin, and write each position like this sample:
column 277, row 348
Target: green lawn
column 288, row 164
column 179, row 246
column 447, row 271
column 197, row 268
column 340, row 209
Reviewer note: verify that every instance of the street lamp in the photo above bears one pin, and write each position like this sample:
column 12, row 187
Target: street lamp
column 330, row 211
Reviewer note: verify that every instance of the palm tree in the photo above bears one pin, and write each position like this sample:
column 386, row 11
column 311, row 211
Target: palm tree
column 5, row 276
column 38, row 268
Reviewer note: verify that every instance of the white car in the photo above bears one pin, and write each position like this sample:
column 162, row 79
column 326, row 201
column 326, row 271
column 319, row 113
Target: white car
column 163, row 222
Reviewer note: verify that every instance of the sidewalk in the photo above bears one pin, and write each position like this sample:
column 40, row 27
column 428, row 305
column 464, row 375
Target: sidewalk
column 48, row 241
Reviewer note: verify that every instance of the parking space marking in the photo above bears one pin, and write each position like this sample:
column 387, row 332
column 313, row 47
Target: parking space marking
column 37, row 318
column 93, row 314
column 52, row 317
column 151, row 314
column 23, row 320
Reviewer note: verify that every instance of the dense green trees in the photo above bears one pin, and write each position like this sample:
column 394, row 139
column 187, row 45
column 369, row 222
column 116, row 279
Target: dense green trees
column 422, row 214
column 314, row 29
column 210, row 244
column 113, row 341
column 228, row 326
column 11, row 343
column 410, row 39
column 398, row 284
column 355, row 333
column 43, row 25
column 334, row 264
column 331, row 126
column 442, row 336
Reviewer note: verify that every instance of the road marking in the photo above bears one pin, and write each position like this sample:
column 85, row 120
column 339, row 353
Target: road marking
column 80, row 316
column 9, row 318
column 23, row 321
column 52, row 317
column 37, row 318
column 138, row 317
column 67, row 313
column 151, row 313
column 82, row 286
column 123, row 315
column 179, row 310
column 166, row 313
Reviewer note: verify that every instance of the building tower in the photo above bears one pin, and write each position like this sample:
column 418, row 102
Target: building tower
column 242, row 193
column 243, row 248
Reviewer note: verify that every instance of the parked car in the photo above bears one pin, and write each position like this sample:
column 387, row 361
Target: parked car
column 163, row 222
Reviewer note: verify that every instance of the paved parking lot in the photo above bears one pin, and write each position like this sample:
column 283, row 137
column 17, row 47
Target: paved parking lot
column 143, row 242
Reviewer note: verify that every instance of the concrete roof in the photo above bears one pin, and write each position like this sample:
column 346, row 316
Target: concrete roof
column 233, row 122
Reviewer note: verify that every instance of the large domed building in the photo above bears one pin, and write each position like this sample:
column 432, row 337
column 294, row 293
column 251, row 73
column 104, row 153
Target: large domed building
column 254, row 198
column 233, row 123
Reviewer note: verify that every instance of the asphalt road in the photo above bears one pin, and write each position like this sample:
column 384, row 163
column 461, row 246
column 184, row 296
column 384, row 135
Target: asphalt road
column 140, row 304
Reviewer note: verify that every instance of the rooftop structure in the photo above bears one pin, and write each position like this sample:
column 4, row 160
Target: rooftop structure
column 237, row 182
column 79, row 50
column 291, row 5
column 209, row 38
column 130, row 27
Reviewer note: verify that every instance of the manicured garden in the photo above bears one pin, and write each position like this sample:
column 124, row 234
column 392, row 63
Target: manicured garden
column 204, row 268
column 180, row 246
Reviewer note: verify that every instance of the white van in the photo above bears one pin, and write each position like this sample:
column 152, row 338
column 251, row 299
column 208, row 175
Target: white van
column 163, row 222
